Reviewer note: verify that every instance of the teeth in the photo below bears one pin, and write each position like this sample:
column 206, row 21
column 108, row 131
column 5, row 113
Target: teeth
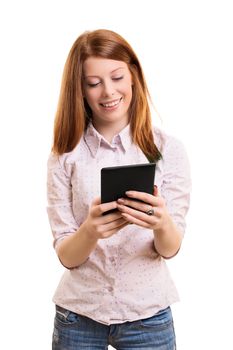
column 111, row 104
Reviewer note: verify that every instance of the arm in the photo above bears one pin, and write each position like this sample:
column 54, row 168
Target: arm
column 170, row 209
column 168, row 240
column 74, row 243
column 167, row 237
column 75, row 249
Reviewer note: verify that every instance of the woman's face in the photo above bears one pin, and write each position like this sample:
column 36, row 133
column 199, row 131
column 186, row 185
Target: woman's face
column 108, row 90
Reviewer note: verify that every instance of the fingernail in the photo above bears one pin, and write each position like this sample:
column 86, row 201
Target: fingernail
column 120, row 200
column 129, row 193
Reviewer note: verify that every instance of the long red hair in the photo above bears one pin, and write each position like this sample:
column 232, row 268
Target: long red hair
column 73, row 113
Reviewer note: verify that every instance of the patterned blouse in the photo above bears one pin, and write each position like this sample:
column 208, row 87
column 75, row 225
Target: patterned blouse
column 123, row 279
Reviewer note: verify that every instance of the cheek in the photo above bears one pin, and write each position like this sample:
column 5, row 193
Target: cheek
column 128, row 88
column 91, row 97
column 128, row 93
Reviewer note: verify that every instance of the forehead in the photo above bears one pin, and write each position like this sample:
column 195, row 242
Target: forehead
column 97, row 66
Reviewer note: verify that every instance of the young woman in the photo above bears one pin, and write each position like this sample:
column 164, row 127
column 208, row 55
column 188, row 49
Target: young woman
column 116, row 288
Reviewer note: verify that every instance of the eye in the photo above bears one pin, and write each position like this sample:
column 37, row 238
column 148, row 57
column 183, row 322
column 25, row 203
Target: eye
column 118, row 78
column 93, row 84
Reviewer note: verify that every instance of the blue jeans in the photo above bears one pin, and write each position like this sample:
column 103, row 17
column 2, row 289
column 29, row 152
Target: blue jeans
column 75, row 332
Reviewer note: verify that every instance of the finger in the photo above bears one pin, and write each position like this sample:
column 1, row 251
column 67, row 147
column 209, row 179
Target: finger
column 156, row 191
column 114, row 224
column 101, row 208
column 143, row 216
column 132, row 220
column 111, row 217
column 133, row 204
column 96, row 201
column 107, row 230
column 113, row 231
column 145, row 197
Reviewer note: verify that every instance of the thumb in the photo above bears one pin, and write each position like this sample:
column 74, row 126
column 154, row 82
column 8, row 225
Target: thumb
column 96, row 201
column 156, row 191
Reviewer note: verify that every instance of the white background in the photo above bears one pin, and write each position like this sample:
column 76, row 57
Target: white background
column 186, row 50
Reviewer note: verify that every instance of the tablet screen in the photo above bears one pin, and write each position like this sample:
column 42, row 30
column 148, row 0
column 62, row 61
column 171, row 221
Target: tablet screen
column 115, row 181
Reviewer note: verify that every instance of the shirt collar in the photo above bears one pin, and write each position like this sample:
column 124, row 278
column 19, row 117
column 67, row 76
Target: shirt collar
column 94, row 139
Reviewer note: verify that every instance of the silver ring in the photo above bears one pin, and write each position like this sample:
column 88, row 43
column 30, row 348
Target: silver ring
column 150, row 212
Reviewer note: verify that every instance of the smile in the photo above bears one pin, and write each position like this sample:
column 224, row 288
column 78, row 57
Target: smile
column 111, row 104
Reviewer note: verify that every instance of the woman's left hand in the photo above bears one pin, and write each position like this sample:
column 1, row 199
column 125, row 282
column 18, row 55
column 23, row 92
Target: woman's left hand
column 152, row 213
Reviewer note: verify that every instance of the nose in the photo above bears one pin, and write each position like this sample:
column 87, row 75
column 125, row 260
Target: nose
column 108, row 88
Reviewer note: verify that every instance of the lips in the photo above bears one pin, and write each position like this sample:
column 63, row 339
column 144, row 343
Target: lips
column 111, row 104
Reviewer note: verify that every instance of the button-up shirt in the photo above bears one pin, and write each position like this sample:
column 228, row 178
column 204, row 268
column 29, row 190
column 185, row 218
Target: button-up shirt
column 123, row 279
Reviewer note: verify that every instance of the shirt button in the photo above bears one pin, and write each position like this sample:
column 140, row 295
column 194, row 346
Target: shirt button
column 110, row 289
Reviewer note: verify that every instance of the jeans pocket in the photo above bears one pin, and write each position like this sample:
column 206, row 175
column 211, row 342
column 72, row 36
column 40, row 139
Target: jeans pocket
column 162, row 320
column 65, row 317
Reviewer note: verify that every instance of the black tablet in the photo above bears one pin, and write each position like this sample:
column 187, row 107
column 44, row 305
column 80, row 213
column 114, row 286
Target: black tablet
column 115, row 181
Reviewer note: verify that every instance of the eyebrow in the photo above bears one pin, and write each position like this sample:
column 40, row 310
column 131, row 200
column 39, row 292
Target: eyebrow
column 96, row 76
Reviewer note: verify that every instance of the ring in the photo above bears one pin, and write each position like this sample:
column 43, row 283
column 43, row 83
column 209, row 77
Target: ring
column 150, row 212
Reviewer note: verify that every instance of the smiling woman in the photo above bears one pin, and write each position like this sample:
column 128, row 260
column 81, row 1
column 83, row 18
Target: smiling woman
column 108, row 92
column 116, row 289
column 74, row 113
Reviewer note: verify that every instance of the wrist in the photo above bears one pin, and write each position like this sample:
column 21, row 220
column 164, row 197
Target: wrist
column 88, row 235
column 166, row 226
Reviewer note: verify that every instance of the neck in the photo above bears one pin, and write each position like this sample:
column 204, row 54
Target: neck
column 109, row 130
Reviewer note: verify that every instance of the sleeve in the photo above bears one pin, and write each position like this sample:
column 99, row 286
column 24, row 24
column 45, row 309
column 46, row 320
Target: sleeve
column 176, row 185
column 59, row 195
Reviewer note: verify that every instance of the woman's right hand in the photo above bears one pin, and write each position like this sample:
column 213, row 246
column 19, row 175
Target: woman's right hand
column 99, row 226
column 75, row 249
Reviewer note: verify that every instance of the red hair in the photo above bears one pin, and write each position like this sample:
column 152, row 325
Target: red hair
column 72, row 115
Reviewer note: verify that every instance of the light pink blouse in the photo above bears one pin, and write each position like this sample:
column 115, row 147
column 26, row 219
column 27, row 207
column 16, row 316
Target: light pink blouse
column 123, row 279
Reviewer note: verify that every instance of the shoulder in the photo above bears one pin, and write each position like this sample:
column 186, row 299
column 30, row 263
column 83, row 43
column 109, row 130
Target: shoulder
column 65, row 161
column 167, row 144
column 174, row 155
